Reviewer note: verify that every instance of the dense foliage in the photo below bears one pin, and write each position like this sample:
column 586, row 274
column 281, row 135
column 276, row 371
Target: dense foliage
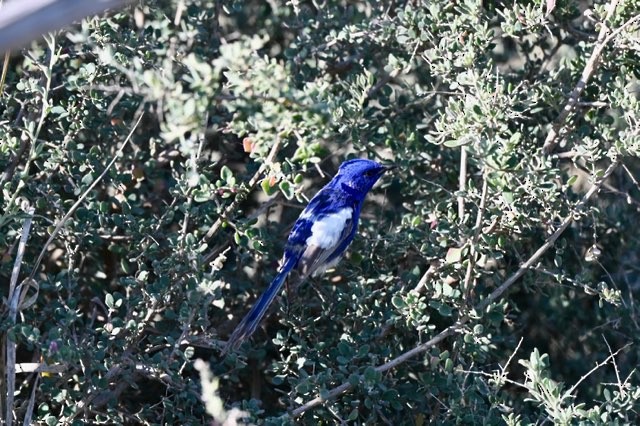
column 160, row 155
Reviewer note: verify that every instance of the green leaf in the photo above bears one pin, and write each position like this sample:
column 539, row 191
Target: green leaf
column 286, row 189
column 508, row 197
column 267, row 188
column 57, row 110
column 371, row 375
column 453, row 143
column 226, row 174
column 108, row 300
column 353, row 415
column 278, row 379
column 398, row 302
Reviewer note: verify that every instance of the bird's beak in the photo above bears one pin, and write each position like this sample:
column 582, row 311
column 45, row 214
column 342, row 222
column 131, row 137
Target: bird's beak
column 388, row 167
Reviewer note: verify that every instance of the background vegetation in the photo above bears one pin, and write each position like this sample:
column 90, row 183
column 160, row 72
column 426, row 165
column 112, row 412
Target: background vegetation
column 154, row 159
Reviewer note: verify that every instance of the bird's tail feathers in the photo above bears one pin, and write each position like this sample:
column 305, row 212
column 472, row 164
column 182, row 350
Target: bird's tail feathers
column 250, row 322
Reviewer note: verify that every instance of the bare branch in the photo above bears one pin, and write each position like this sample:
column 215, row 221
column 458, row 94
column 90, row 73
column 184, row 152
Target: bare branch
column 474, row 239
column 550, row 142
column 462, row 181
column 14, row 302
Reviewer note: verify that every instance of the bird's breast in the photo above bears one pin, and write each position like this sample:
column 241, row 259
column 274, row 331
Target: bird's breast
column 327, row 231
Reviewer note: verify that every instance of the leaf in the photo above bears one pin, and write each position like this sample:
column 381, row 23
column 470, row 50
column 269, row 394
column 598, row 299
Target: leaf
column 267, row 187
column 108, row 300
column 398, row 302
column 455, row 143
column 447, row 290
column 448, row 365
column 353, row 415
column 226, row 174
column 371, row 375
column 57, row 110
column 454, row 255
column 508, row 197
column 201, row 196
column 87, row 179
column 247, row 145
column 278, row 379
column 286, row 189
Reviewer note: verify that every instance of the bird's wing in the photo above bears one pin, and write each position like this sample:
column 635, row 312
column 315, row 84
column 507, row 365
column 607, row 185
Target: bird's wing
column 321, row 234
column 329, row 238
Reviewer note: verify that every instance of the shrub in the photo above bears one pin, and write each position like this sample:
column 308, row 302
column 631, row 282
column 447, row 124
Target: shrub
column 156, row 158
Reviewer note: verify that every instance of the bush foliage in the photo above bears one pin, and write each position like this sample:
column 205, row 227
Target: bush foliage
column 156, row 158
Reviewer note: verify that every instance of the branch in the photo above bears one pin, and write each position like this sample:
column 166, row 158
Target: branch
column 550, row 142
column 462, row 182
column 603, row 39
column 24, row 21
column 455, row 328
column 73, row 208
column 240, row 197
column 570, row 391
column 14, row 306
column 474, row 240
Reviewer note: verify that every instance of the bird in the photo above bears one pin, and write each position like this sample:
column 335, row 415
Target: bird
column 319, row 237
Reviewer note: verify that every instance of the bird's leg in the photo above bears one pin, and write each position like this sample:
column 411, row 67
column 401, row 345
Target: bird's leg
column 291, row 286
column 287, row 298
column 323, row 294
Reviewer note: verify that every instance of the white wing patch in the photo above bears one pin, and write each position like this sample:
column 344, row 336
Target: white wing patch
column 327, row 231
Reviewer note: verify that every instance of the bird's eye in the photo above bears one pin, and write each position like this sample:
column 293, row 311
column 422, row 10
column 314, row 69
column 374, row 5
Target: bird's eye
column 369, row 173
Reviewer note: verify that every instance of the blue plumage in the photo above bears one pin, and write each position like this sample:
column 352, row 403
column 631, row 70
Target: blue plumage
column 319, row 237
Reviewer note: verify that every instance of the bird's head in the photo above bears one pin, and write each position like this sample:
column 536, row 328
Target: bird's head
column 358, row 176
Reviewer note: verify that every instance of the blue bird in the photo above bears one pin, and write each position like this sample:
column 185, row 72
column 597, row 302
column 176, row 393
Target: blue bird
column 319, row 237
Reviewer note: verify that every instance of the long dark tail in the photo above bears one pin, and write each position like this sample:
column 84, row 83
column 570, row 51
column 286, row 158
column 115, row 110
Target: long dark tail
column 250, row 322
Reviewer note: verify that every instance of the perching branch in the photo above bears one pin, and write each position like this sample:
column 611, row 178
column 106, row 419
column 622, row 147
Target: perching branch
column 480, row 307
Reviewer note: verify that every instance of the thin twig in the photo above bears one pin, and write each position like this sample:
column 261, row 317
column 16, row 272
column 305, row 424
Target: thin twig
column 73, row 208
column 503, row 370
column 28, row 416
column 32, row 134
column 548, row 243
column 14, row 297
column 615, row 367
column 474, row 238
column 633, row 179
column 193, row 163
column 5, row 67
column 241, row 196
column 502, row 376
column 493, row 376
column 7, row 175
column 37, row 367
column 572, row 389
column 462, row 181
column 455, row 328
column 591, row 65
column 419, row 288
